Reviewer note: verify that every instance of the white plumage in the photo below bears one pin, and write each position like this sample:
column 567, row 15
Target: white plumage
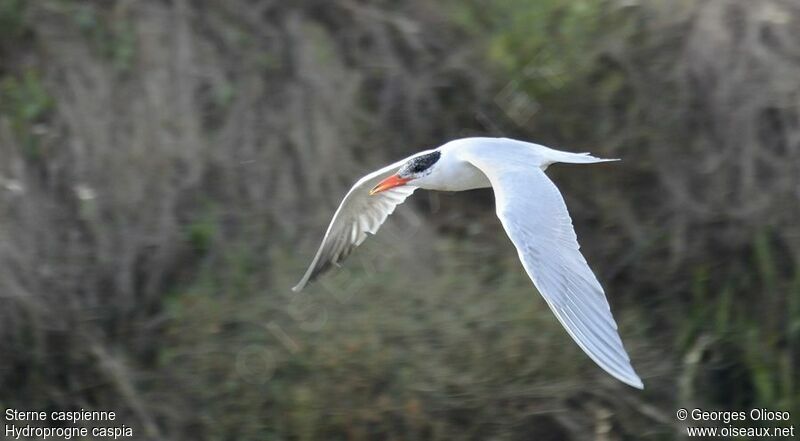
column 529, row 206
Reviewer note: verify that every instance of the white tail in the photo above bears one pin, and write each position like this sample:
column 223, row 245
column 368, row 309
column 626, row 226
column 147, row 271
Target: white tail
column 576, row 158
column 550, row 156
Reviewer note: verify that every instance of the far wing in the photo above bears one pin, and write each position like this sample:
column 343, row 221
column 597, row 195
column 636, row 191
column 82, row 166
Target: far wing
column 358, row 214
column 535, row 217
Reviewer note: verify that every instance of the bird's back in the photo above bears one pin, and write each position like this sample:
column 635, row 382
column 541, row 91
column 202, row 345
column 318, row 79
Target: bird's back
column 516, row 152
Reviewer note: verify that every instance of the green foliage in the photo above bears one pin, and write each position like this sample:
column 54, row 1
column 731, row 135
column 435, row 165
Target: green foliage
column 25, row 99
column 25, row 102
column 550, row 41
column 544, row 52
column 752, row 344
column 187, row 254
column 425, row 357
column 569, row 72
column 12, row 19
column 112, row 37
column 201, row 232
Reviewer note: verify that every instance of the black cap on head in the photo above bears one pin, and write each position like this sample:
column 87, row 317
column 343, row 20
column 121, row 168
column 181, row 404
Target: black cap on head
column 419, row 164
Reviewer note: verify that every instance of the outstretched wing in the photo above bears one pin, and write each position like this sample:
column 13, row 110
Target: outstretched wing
column 358, row 214
column 535, row 217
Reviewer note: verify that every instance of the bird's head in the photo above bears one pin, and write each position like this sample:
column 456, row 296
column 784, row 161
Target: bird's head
column 414, row 169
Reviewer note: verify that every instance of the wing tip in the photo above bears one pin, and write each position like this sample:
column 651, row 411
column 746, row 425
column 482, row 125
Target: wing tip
column 633, row 381
column 301, row 284
column 627, row 376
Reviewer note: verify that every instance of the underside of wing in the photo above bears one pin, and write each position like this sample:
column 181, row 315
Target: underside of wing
column 358, row 214
column 536, row 220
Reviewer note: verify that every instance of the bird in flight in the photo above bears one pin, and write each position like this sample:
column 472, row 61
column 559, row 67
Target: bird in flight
column 533, row 214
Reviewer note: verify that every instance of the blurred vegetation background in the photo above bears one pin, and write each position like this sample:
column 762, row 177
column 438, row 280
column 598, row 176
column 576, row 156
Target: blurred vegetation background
column 168, row 167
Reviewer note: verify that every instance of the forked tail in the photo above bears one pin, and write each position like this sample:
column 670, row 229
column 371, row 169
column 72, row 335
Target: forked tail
column 575, row 158
column 548, row 156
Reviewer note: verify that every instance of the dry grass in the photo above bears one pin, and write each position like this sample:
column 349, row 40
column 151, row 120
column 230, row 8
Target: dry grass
column 163, row 161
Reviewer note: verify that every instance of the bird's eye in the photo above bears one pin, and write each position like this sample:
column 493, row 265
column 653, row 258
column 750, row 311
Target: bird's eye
column 420, row 163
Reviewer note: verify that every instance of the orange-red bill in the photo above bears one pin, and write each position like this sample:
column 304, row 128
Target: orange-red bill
column 390, row 182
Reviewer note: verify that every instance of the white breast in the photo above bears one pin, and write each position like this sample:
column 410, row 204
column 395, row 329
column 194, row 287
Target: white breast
column 465, row 176
column 451, row 173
